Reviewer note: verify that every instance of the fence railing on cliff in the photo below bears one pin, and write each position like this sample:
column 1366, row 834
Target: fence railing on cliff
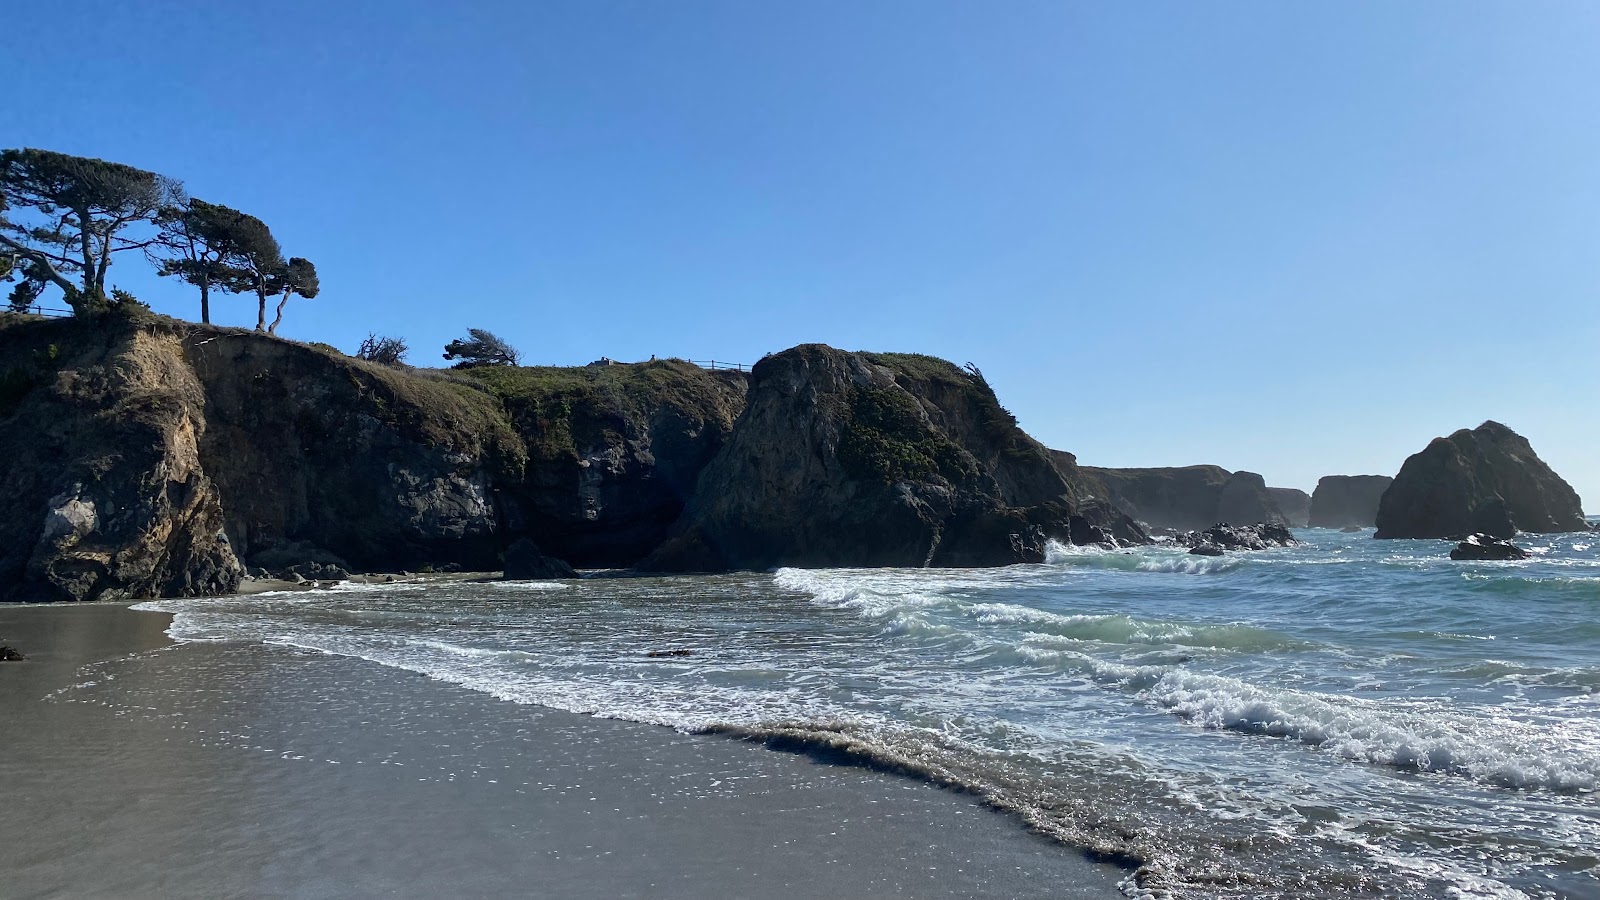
column 714, row 365
column 51, row 312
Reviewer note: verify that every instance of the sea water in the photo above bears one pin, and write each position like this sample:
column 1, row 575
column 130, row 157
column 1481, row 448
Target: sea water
column 1349, row 717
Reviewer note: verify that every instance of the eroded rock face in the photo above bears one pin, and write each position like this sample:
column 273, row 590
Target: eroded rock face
column 387, row 470
column 104, row 495
column 853, row 459
column 1347, row 501
column 1485, row 480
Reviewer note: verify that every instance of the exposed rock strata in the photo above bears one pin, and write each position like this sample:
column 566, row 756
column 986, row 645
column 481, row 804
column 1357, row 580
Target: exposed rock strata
column 1485, row 480
column 855, row 459
column 1347, row 501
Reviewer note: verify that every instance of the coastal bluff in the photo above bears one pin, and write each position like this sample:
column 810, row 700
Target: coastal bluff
column 1187, row 498
column 152, row 457
column 1347, row 501
column 879, row 459
column 1486, row 480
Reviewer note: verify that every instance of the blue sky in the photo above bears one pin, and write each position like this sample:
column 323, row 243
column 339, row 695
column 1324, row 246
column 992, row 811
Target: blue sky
column 1298, row 238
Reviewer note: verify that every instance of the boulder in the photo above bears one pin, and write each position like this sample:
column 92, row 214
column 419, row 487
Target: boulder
column 1206, row 550
column 1294, row 503
column 1485, row 547
column 862, row 459
column 1485, row 480
column 9, row 654
column 1347, row 501
column 312, row 571
column 526, row 562
column 1223, row 536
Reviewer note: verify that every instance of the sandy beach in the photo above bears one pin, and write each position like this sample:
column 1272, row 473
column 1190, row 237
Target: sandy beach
column 136, row 767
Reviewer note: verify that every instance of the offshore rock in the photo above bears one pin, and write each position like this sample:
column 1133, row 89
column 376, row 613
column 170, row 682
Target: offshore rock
column 1485, row 547
column 1223, row 536
column 1207, row 549
column 860, row 459
column 526, row 562
column 1347, row 501
column 1294, row 504
column 1487, row 480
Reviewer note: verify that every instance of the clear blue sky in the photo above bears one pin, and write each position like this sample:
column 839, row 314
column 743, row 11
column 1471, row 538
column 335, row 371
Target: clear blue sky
column 1298, row 238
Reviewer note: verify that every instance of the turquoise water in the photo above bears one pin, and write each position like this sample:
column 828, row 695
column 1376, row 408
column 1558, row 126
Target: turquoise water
column 1346, row 718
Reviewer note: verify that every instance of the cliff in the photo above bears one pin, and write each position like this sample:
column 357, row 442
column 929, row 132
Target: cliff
column 1294, row 503
column 148, row 456
column 1485, row 480
column 1189, row 497
column 859, row 459
column 1348, row 501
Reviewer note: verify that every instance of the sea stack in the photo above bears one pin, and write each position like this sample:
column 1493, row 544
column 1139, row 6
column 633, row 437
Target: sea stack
column 1347, row 501
column 1484, row 480
column 1295, row 505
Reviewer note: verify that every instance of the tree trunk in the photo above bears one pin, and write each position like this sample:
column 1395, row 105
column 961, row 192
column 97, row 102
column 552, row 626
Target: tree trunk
column 273, row 328
column 261, row 311
column 205, row 301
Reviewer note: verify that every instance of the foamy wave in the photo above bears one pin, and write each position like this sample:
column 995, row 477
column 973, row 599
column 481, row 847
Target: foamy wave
column 1121, row 629
column 1495, row 751
column 528, row 587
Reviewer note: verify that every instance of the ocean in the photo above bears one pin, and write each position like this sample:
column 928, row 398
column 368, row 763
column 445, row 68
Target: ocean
column 1346, row 718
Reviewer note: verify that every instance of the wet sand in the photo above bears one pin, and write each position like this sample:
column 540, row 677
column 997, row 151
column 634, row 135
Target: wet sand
column 135, row 767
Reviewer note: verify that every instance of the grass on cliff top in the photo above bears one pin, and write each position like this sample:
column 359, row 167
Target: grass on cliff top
column 560, row 408
column 965, row 386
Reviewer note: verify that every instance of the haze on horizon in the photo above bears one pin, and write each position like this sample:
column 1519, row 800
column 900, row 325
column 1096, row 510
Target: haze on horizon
column 1296, row 239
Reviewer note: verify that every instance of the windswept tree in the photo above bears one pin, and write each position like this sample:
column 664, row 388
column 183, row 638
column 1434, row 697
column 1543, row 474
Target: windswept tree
column 79, row 213
column 256, row 264
column 299, row 276
column 390, row 351
column 201, row 244
column 480, row 348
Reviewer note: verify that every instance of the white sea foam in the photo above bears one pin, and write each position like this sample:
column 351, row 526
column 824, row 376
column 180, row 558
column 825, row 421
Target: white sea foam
column 1493, row 748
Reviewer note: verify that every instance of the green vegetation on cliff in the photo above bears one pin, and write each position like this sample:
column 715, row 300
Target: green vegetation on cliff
column 563, row 411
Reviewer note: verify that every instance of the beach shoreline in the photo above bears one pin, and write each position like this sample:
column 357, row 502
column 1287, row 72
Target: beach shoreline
column 145, row 767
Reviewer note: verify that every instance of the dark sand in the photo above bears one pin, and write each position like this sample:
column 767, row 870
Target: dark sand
column 213, row 771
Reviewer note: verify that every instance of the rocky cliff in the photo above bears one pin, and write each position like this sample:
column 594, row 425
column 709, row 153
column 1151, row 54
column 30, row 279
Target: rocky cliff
column 1189, row 497
column 1294, row 503
column 148, row 456
column 858, row 459
column 1347, row 501
column 1485, row 480
column 103, row 494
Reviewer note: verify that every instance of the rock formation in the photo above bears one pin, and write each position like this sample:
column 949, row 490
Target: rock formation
column 857, row 459
column 1188, row 497
column 1484, row 547
column 526, row 562
column 1485, row 480
column 1347, row 501
column 147, row 456
column 1221, row 537
column 1294, row 503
